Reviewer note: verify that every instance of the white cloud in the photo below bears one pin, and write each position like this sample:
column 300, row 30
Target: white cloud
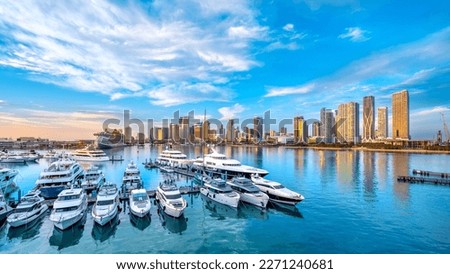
column 231, row 112
column 288, row 27
column 122, row 50
column 436, row 111
column 317, row 4
column 355, row 34
column 2, row 102
column 282, row 91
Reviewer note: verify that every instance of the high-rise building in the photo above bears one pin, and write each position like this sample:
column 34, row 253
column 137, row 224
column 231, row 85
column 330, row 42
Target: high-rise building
column 283, row 131
column 316, row 129
column 230, row 131
column 368, row 118
column 198, row 132
column 141, row 138
column 174, row 133
column 327, row 123
column 382, row 131
column 300, row 130
column 258, row 128
column 323, row 112
column 205, row 131
column 128, row 135
column 400, row 115
column 184, row 128
column 347, row 122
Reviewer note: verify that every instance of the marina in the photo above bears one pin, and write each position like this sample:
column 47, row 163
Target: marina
column 347, row 194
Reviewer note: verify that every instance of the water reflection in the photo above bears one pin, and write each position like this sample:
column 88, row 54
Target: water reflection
column 251, row 211
column 69, row 237
column 27, row 231
column 382, row 169
column 103, row 233
column 400, row 163
column 140, row 223
column 369, row 173
column 345, row 167
column 174, row 225
column 219, row 211
column 289, row 210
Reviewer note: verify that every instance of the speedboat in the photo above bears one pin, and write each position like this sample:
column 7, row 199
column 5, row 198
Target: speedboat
column 277, row 192
column 218, row 190
column 5, row 209
column 69, row 208
column 7, row 183
column 131, row 178
column 107, row 205
column 219, row 163
column 93, row 179
column 169, row 198
column 90, row 154
column 59, row 176
column 31, row 206
column 139, row 202
column 248, row 192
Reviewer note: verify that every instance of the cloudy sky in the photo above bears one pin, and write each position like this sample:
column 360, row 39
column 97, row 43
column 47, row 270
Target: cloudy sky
column 66, row 66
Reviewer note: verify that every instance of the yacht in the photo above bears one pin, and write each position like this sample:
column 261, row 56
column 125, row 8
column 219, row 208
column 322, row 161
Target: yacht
column 12, row 158
column 139, row 202
column 7, row 177
column 90, row 154
column 58, row 176
column 131, row 178
column 31, row 206
column 248, row 191
column 107, row 205
column 5, row 209
column 69, row 208
column 276, row 191
column 219, row 163
column 172, row 158
column 170, row 200
column 110, row 139
column 93, row 179
column 218, row 190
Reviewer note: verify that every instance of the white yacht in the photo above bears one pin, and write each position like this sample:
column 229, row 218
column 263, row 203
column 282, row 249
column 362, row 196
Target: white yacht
column 90, row 154
column 12, row 158
column 93, row 179
column 218, row 190
column 220, row 163
column 248, row 191
column 170, row 200
column 31, row 206
column 69, row 208
column 58, row 176
column 172, row 158
column 5, row 209
column 131, row 178
column 7, row 177
column 139, row 202
column 107, row 205
column 276, row 191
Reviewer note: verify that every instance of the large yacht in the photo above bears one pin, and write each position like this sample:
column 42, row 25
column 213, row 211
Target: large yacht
column 169, row 198
column 69, row 208
column 218, row 190
column 7, row 183
column 248, row 191
column 276, row 191
column 110, row 139
column 107, row 205
column 172, row 158
column 31, row 206
column 58, row 176
column 131, row 178
column 90, row 154
column 219, row 163
column 93, row 179
column 139, row 203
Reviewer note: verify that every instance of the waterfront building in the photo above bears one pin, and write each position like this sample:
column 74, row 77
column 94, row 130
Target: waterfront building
column 174, row 134
column 141, row 138
column 283, row 131
column 400, row 115
column 327, row 125
column 128, row 135
column 206, row 130
column 198, row 132
column 368, row 118
column 347, row 123
column 316, row 129
column 184, row 128
column 257, row 128
column 300, row 130
column 230, row 134
column 382, row 131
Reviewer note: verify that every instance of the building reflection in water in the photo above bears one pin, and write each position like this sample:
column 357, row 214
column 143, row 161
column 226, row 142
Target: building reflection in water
column 347, row 167
column 369, row 173
column 327, row 165
column 299, row 161
column 382, row 169
column 400, row 167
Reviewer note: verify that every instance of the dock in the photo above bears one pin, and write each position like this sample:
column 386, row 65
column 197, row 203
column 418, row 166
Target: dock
column 423, row 180
column 431, row 173
column 116, row 159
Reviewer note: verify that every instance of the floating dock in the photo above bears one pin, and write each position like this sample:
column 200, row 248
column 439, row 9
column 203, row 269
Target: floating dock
column 431, row 173
column 423, row 180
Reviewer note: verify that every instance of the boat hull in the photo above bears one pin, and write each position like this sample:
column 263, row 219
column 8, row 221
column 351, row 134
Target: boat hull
column 91, row 159
column 17, row 222
column 171, row 211
column 106, row 218
column 221, row 198
column 66, row 223
column 140, row 213
column 256, row 201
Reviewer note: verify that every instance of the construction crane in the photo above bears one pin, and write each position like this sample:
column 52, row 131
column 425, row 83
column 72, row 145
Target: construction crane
column 446, row 131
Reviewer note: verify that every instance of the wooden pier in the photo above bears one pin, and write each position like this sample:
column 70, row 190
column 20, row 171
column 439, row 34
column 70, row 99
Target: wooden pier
column 423, row 180
column 431, row 173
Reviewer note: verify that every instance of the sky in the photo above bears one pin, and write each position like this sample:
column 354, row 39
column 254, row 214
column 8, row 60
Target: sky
column 67, row 66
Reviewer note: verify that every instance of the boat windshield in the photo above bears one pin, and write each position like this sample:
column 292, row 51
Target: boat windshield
column 66, row 209
column 105, row 202
column 278, row 187
column 69, row 197
column 173, row 196
column 22, row 210
column 140, row 197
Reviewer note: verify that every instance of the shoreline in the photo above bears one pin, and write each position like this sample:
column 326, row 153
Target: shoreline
column 414, row 151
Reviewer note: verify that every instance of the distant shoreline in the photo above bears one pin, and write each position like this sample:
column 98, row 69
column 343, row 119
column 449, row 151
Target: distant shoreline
column 415, row 151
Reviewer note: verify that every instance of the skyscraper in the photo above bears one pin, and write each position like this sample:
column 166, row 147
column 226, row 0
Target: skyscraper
column 258, row 128
column 175, row 133
column 128, row 135
column 400, row 115
column 230, row 131
column 316, row 129
column 347, row 122
column 382, row 131
column 327, row 123
column 205, row 130
column 300, row 130
column 184, row 128
column 368, row 118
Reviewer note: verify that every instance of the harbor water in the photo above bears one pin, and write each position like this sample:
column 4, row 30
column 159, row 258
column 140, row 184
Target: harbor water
column 353, row 204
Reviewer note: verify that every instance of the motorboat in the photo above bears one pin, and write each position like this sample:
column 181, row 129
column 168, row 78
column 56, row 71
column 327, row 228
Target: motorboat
column 218, row 190
column 31, row 207
column 90, row 154
column 5, row 209
column 110, row 139
column 12, row 158
column 69, row 208
column 60, row 175
column 169, row 198
column 107, row 205
column 139, row 202
column 219, row 163
column 131, row 178
column 7, row 177
column 172, row 158
column 248, row 192
column 276, row 191
column 93, row 179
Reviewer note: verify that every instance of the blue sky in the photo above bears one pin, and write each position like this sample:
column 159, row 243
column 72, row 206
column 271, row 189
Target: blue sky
column 65, row 66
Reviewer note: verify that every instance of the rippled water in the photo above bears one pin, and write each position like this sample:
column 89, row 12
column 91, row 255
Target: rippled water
column 353, row 205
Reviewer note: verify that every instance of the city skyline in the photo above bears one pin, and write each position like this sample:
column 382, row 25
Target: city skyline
column 67, row 67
